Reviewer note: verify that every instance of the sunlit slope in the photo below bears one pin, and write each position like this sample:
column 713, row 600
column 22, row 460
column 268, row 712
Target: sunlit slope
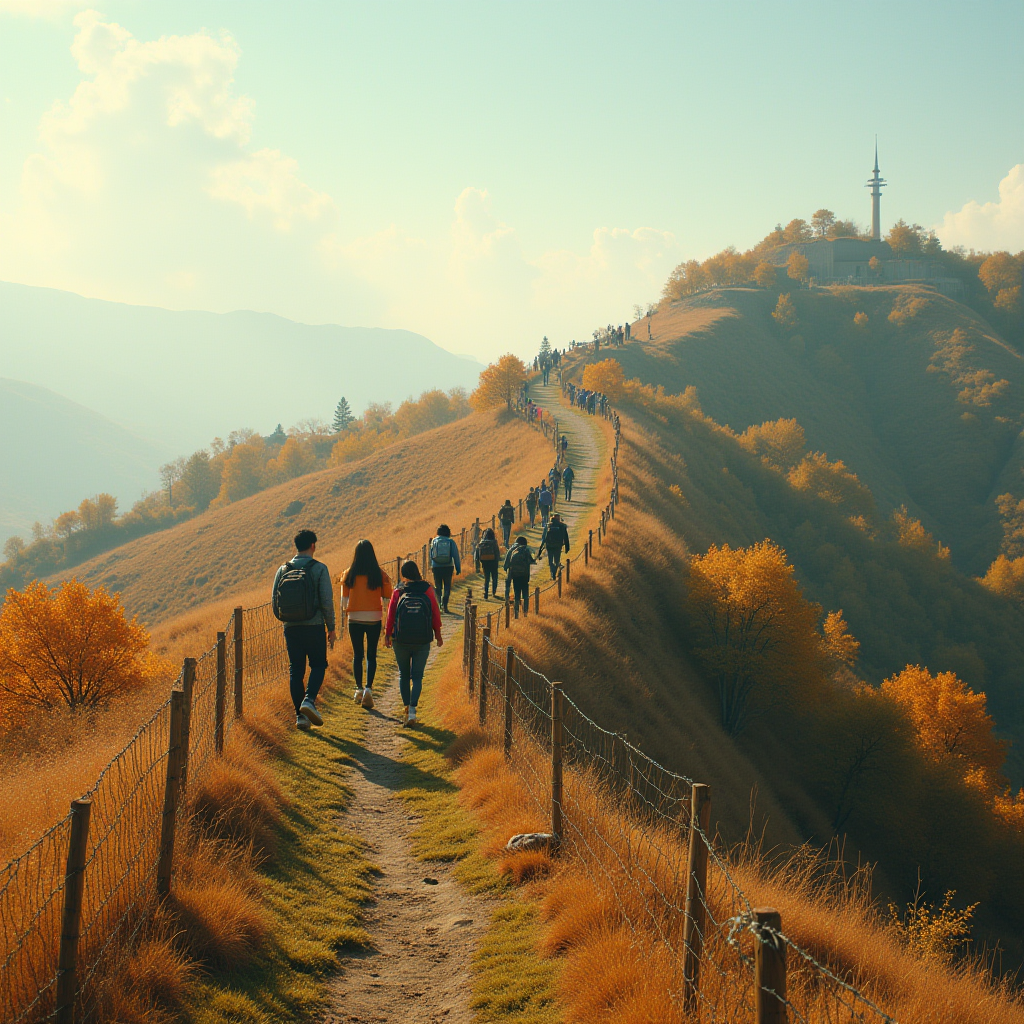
column 911, row 409
column 396, row 498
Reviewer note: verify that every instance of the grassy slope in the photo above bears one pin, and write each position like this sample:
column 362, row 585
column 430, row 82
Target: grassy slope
column 864, row 396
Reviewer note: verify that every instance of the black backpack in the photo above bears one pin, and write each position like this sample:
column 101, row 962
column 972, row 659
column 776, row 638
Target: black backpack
column 413, row 617
column 296, row 595
column 487, row 549
column 507, row 514
column 519, row 562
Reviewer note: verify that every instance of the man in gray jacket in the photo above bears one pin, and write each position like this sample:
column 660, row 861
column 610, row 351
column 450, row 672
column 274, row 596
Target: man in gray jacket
column 308, row 638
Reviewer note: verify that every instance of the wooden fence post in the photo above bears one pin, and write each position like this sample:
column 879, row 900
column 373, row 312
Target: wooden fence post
column 536, row 600
column 556, row 759
column 398, row 569
column 508, row 612
column 559, row 581
column 222, row 671
column 239, row 661
column 520, row 510
column 696, row 890
column 172, row 790
column 71, row 917
column 424, row 571
column 472, row 646
column 494, row 524
column 586, row 555
column 485, row 657
column 462, row 543
column 769, row 969
column 509, row 664
column 188, row 682
column 568, row 562
column 590, row 544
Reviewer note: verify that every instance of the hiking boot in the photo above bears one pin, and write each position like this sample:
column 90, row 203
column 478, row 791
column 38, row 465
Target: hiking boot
column 358, row 695
column 302, row 722
column 367, row 700
column 308, row 708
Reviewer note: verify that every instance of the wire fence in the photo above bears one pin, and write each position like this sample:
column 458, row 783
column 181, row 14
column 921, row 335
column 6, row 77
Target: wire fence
column 77, row 899
column 641, row 832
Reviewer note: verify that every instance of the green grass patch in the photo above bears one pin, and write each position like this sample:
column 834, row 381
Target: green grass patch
column 312, row 887
column 512, row 983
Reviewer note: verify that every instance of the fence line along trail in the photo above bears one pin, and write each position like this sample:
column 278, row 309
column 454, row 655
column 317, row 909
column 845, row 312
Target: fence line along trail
column 424, row 935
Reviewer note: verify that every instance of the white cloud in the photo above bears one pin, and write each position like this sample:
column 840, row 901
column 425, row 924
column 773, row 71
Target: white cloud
column 994, row 225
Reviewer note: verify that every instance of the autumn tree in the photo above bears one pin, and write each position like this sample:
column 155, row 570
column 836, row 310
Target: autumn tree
column 1005, row 577
column 766, row 274
column 342, row 415
column 97, row 513
column 69, row 647
column 798, row 267
column 754, row 632
column 875, row 265
column 860, row 320
column 170, row 474
column 242, row 470
column 904, row 239
column 295, row 458
column 781, row 443
column 606, row 376
column 500, row 383
column 950, row 721
column 199, row 483
column 822, row 223
column 911, row 534
column 832, row 482
column 796, row 231
column 784, row 313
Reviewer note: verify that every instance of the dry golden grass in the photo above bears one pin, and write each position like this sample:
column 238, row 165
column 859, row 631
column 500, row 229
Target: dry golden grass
column 396, row 498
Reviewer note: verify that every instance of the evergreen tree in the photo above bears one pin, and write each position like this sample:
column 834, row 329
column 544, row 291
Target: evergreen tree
column 278, row 437
column 545, row 348
column 342, row 416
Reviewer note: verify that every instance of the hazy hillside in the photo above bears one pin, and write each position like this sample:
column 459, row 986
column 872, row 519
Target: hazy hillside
column 396, row 498
column 185, row 377
column 58, row 452
column 917, row 414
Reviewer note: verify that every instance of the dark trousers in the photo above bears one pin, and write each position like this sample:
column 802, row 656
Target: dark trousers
column 520, row 586
column 358, row 632
column 532, row 509
column 306, row 643
column 568, row 490
column 554, row 560
column 443, row 583
column 506, row 530
column 412, row 662
column 490, row 570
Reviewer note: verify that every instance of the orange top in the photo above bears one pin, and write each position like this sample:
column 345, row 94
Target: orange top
column 360, row 598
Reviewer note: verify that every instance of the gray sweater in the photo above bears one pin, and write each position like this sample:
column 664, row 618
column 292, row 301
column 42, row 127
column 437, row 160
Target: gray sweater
column 325, row 613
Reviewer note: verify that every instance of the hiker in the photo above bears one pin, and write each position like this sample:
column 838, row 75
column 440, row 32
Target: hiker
column 544, row 501
column 555, row 476
column 565, row 445
column 364, row 588
column 414, row 619
column 567, row 478
column 487, row 555
column 303, row 600
column 444, row 561
column 531, row 505
column 555, row 539
column 517, row 573
column 506, row 516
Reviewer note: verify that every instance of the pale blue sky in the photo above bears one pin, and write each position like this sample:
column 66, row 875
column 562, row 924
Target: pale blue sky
column 705, row 123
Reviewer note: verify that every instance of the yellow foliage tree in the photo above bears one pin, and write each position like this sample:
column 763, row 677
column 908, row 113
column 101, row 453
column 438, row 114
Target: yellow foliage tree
column 766, row 274
column 1005, row 577
column 860, row 320
column 295, row 459
column 911, row 534
column 839, row 646
column 606, row 376
column 500, row 383
column 785, row 313
column 780, row 443
column 950, row 721
column 754, row 631
column 798, row 267
column 68, row 647
column 242, row 472
column 833, row 482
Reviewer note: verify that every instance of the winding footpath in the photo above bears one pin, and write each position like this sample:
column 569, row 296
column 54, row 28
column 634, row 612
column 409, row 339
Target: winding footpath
column 424, row 926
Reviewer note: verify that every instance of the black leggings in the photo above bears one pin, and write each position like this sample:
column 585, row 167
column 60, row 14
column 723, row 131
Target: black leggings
column 490, row 570
column 356, row 632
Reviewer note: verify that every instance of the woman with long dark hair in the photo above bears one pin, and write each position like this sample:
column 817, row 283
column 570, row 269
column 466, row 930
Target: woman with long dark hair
column 364, row 589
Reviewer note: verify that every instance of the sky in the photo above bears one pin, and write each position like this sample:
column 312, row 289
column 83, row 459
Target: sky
column 482, row 173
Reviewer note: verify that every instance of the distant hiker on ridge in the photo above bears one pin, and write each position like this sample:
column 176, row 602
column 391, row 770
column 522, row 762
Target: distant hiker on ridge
column 414, row 619
column 545, row 501
column 303, row 599
column 444, row 561
column 364, row 588
column 567, row 478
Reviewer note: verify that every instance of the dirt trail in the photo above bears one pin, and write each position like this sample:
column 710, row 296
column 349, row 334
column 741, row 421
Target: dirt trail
column 424, row 933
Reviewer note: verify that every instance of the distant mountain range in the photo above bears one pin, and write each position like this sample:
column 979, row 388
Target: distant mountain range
column 57, row 452
column 185, row 377
column 136, row 385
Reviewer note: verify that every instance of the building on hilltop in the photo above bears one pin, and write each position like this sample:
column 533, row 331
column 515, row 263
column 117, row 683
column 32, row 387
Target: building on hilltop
column 848, row 260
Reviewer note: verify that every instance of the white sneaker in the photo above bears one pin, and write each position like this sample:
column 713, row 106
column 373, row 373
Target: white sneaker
column 308, row 708
column 411, row 720
column 358, row 695
column 367, row 700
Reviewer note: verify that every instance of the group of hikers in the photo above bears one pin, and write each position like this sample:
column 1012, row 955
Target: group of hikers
column 409, row 613
column 593, row 402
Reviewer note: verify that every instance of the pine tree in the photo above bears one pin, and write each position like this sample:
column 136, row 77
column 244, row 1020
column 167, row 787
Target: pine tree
column 342, row 416
column 545, row 347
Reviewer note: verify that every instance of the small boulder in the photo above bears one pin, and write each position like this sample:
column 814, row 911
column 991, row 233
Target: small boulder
column 532, row 841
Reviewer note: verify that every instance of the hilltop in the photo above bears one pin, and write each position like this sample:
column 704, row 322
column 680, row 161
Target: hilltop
column 924, row 402
column 185, row 376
